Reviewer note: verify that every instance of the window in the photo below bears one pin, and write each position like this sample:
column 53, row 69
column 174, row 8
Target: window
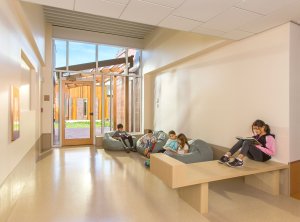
column 116, row 76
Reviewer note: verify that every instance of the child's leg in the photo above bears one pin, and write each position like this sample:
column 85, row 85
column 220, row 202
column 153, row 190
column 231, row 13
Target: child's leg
column 123, row 139
column 129, row 137
column 152, row 146
column 148, row 144
column 238, row 162
column 235, row 148
column 256, row 154
column 246, row 147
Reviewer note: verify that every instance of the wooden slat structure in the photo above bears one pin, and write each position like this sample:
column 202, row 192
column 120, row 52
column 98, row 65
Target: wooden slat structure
column 103, row 63
column 73, row 89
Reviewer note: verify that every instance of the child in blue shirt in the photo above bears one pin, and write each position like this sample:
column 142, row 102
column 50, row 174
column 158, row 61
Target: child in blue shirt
column 172, row 142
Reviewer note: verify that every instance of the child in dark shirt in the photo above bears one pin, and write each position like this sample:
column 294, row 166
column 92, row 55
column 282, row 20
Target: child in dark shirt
column 122, row 135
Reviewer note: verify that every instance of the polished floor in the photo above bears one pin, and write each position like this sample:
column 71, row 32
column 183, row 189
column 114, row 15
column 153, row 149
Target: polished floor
column 84, row 184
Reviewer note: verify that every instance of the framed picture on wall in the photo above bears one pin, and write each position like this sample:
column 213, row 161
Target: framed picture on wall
column 15, row 113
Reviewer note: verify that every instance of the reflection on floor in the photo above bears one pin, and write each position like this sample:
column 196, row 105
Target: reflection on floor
column 84, row 184
column 78, row 133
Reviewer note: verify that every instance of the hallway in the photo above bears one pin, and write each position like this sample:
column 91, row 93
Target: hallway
column 84, row 184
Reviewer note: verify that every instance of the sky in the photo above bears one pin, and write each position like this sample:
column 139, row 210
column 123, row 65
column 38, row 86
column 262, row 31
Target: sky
column 82, row 52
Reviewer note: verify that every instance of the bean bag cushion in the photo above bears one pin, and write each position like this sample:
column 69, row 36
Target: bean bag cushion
column 110, row 143
column 199, row 151
column 161, row 137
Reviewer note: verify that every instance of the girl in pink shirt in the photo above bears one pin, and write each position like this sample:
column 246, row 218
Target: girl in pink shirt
column 259, row 152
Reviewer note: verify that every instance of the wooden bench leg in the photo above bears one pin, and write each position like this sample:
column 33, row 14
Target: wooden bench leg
column 267, row 182
column 196, row 196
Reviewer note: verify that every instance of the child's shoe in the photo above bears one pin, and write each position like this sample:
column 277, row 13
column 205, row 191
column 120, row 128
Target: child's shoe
column 127, row 150
column 236, row 163
column 147, row 163
column 223, row 159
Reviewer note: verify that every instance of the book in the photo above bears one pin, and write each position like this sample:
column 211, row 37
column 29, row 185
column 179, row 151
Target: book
column 255, row 141
column 168, row 148
column 175, row 151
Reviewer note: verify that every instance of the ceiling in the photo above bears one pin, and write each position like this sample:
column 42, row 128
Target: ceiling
column 95, row 23
column 231, row 19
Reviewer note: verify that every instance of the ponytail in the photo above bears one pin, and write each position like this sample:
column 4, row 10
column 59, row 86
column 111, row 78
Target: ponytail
column 267, row 129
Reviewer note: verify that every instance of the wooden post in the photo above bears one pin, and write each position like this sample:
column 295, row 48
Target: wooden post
column 196, row 196
column 267, row 182
column 115, row 102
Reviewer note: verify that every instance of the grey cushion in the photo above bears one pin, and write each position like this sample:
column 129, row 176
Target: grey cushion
column 199, row 151
column 161, row 137
column 110, row 143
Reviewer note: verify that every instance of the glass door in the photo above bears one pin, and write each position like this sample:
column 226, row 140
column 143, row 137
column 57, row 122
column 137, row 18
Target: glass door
column 77, row 112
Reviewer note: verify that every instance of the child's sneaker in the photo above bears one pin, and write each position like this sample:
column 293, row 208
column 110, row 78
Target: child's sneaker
column 223, row 159
column 147, row 163
column 236, row 163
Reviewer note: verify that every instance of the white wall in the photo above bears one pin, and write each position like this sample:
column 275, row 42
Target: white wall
column 294, row 92
column 218, row 95
column 14, row 40
column 47, row 84
column 165, row 46
column 35, row 19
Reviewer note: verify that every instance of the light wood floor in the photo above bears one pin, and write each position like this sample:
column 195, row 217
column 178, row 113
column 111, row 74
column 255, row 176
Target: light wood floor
column 84, row 184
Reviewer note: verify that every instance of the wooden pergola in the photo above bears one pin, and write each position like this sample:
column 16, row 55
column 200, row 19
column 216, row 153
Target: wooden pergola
column 116, row 65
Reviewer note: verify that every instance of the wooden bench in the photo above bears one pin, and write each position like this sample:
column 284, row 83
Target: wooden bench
column 191, row 180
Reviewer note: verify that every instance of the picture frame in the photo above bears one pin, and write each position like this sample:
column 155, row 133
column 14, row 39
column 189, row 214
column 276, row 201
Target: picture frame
column 15, row 113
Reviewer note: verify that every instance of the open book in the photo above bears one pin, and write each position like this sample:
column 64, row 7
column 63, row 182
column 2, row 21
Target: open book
column 168, row 148
column 255, row 141
column 175, row 151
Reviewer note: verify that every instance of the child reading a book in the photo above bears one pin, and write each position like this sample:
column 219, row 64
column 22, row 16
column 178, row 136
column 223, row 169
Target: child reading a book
column 259, row 152
column 171, row 143
column 170, row 146
column 183, row 146
column 122, row 135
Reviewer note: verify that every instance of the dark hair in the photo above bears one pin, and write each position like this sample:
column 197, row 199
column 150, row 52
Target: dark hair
column 183, row 139
column 172, row 132
column 120, row 125
column 149, row 131
column 261, row 123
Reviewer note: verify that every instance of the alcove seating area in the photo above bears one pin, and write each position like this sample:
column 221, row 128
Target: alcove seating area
column 199, row 150
column 192, row 180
